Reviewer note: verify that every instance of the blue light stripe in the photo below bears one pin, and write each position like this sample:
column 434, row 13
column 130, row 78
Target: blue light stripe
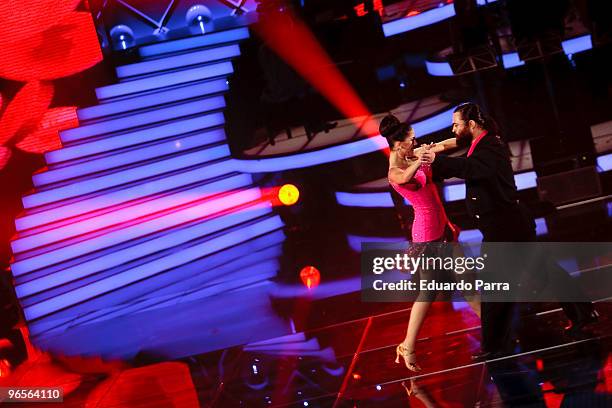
column 214, row 268
column 341, row 152
column 511, row 60
column 473, row 235
column 382, row 200
column 144, row 271
column 141, row 119
column 252, row 274
column 135, row 138
column 127, row 214
column 366, row 200
column 194, row 275
column 149, row 100
column 434, row 123
column 541, row 226
column 84, row 187
column 577, row 45
column 194, row 42
column 524, row 181
column 355, row 241
column 454, row 192
column 124, row 195
column 160, row 81
column 193, row 58
column 439, row 68
column 604, row 163
column 137, row 251
column 129, row 157
column 124, row 235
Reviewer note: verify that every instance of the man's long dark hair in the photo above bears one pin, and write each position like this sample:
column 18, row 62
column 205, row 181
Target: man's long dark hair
column 471, row 111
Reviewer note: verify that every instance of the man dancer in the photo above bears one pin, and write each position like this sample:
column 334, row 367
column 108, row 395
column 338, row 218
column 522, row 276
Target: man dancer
column 491, row 200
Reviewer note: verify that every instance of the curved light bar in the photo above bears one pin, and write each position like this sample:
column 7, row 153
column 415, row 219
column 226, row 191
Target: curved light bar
column 341, row 152
column 423, row 19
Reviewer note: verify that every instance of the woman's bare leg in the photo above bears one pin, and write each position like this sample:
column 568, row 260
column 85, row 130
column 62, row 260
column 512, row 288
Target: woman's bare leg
column 417, row 317
column 407, row 348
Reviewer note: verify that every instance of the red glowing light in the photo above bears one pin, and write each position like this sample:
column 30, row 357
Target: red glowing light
column 356, row 376
column 360, row 10
column 46, row 137
column 311, row 277
column 25, row 111
column 413, row 13
column 291, row 40
column 539, row 364
column 62, row 49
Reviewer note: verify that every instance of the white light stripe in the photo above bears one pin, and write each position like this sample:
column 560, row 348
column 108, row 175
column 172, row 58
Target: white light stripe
column 194, row 42
column 149, row 100
column 127, row 214
column 202, row 272
column 129, row 157
column 137, row 251
column 164, row 80
column 88, row 186
column 144, row 271
column 193, row 58
column 124, row 195
column 141, row 119
column 117, row 237
column 134, row 138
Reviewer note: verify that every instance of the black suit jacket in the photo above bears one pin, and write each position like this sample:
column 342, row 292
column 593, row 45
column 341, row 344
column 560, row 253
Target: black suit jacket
column 491, row 195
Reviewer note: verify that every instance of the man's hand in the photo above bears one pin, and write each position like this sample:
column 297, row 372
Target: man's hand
column 428, row 157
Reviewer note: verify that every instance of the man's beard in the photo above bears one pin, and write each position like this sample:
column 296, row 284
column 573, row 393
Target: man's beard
column 463, row 140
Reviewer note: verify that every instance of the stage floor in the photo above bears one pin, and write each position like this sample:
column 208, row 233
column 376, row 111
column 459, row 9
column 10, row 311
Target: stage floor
column 351, row 364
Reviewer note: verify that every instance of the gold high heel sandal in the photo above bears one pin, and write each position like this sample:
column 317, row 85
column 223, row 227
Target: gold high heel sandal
column 412, row 389
column 409, row 358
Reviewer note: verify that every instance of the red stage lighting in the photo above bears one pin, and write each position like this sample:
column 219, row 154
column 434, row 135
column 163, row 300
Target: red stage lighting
column 288, row 194
column 310, row 276
column 291, row 39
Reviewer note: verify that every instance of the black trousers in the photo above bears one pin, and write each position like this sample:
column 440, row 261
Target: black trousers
column 499, row 320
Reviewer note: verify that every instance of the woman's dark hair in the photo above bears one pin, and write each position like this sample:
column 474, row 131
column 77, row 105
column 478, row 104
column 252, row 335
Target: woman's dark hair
column 393, row 130
column 471, row 111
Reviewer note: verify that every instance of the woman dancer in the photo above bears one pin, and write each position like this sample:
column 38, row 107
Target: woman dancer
column 411, row 179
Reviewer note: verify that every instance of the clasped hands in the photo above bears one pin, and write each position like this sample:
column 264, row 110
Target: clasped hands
column 425, row 154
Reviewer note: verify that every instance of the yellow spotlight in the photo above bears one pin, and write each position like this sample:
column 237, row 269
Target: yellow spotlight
column 288, row 194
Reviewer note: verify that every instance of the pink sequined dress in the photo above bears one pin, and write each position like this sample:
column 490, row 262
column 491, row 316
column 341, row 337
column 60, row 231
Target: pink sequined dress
column 429, row 216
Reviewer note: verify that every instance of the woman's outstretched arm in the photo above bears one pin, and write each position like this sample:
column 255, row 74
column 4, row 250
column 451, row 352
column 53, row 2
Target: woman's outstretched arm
column 400, row 176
